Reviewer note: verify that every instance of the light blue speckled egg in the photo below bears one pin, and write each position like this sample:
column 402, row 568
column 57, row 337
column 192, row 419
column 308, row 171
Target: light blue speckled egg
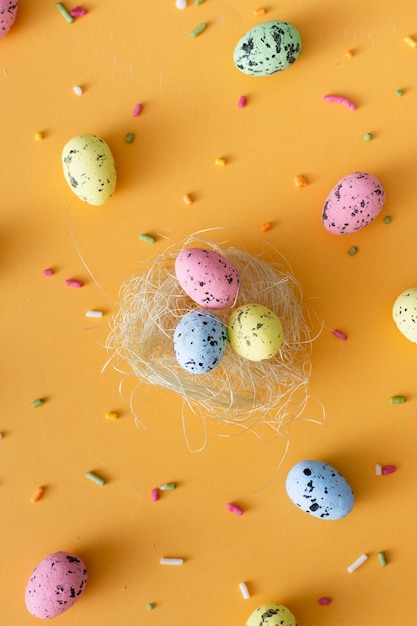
column 200, row 340
column 320, row 490
column 267, row 48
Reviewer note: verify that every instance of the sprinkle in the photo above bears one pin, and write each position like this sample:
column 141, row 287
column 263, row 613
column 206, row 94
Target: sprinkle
column 197, row 2
column 1, row 435
column 94, row 314
column 410, row 41
column 352, row 251
column 167, row 487
column 300, row 181
column 181, row 4
column 399, row 92
column 77, row 90
column 265, row 227
column 154, row 495
column 198, row 30
column 324, row 601
column 169, row 561
column 64, row 12
column 340, row 335
column 397, row 399
column 147, row 238
column 367, row 137
column 378, row 469
column 340, row 100
column 244, row 591
column 38, row 402
column 220, row 162
column 187, row 199
column 38, row 494
column 137, row 109
column 96, row 479
column 357, row 563
column 388, row 469
column 78, row 11
column 349, row 54
column 111, row 415
column 74, row 283
column 130, row 138
column 382, row 559
column 47, row 272
column 150, row 606
column 259, row 12
column 387, row 219
column 38, row 136
column 234, row 508
column 242, row 102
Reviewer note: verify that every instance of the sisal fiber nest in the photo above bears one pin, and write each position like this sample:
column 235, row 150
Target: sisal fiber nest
column 237, row 391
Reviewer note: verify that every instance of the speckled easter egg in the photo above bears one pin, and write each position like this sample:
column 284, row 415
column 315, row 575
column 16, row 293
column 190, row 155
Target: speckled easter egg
column 271, row 615
column 353, row 203
column 255, row 332
column 200, row 340
column 267, row 48
column 320, row 490
column 8, row 12
column 404, row 313
column 55, row 585
column 207, row 277
column 89, row 168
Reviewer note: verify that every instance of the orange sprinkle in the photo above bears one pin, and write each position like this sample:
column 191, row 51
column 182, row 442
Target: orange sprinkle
column 187, row 199
column 38, row 494
column 265, row 227
column 259, row 12
column 300, row 181
column 349, row 54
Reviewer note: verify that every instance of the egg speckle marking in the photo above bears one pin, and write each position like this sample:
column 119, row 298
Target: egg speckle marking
column 200, row 340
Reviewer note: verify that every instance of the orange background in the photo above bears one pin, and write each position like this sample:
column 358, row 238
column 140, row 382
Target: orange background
column 137, row 51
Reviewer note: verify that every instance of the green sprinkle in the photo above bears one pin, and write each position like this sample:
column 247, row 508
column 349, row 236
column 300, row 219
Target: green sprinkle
column 130, row 138
column 96, row 479
column 367, row 136
column 64, row 12
column 147, row 238
column 167, row 487
column 399, row 92
column 150, row 606
column 397, row 399
column 199, row 1
column 382, row 560
column 387, row 219
column 38, row 402
column 352, row 251
column 198, row 30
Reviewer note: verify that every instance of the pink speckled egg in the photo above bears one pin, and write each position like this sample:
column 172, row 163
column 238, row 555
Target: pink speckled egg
column 353, row 203
column 55, row 584
column 8, row 12
column 207, row 277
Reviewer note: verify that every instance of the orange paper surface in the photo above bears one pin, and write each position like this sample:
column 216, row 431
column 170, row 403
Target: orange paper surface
column 141, row 52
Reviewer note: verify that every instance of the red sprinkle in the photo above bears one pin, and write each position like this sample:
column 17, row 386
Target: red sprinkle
column 77, row 12
column 324, row 601
column 155, row 495
column 48, row 272
column 388, row 469
column 340, row 335
column 74, row 283
column 242, row 102
column 137, row 110
column 234, row 508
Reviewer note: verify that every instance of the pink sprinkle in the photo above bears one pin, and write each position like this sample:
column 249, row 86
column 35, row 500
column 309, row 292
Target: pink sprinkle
column 137, row 110
column 340, row 335
column 48, row 272
column 324, row 601
column 340, row 100
column 155, row 495
column 388, row 469
column 234, row 508
column 74, row 283
column 77, row 12
column 242, row 102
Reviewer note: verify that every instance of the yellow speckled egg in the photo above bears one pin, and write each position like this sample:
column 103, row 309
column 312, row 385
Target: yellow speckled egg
column 271, row 615
column 89, row 168
column 404, row 313
column 255, row 332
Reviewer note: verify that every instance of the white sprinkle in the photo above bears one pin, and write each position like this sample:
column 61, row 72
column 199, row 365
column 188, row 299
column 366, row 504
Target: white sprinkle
column 166, row 561
column 94, row 314
column 357, row 563
column 181, row 4
column 378, row 469
column 244, row 591
column 77, row 90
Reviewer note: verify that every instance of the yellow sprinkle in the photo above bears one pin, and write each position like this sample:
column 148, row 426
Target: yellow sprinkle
column 38, row 136
column 38, row 494
column 111, row 415
column 220, row 162
column 410, row 41
column 300, row 181
column 187, row 199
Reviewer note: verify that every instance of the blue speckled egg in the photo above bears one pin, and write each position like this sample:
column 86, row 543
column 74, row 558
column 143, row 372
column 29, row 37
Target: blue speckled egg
column 320, row 490
column 267, row 48
column 200, row 340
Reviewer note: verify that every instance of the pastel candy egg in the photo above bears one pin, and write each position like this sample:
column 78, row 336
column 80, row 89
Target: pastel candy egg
column 55, row 585
column 8, row 12
column 267, row 48
column 271, row 615
column 207, row 277
column 255, row 332
column 404, row 313
column 319, row 490
column 200, row 340
column 89, row 168
column 353, row 203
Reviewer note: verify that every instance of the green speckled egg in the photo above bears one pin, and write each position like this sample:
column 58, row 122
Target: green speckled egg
column 267, row 48
column 271, row 615
column 89, row 168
